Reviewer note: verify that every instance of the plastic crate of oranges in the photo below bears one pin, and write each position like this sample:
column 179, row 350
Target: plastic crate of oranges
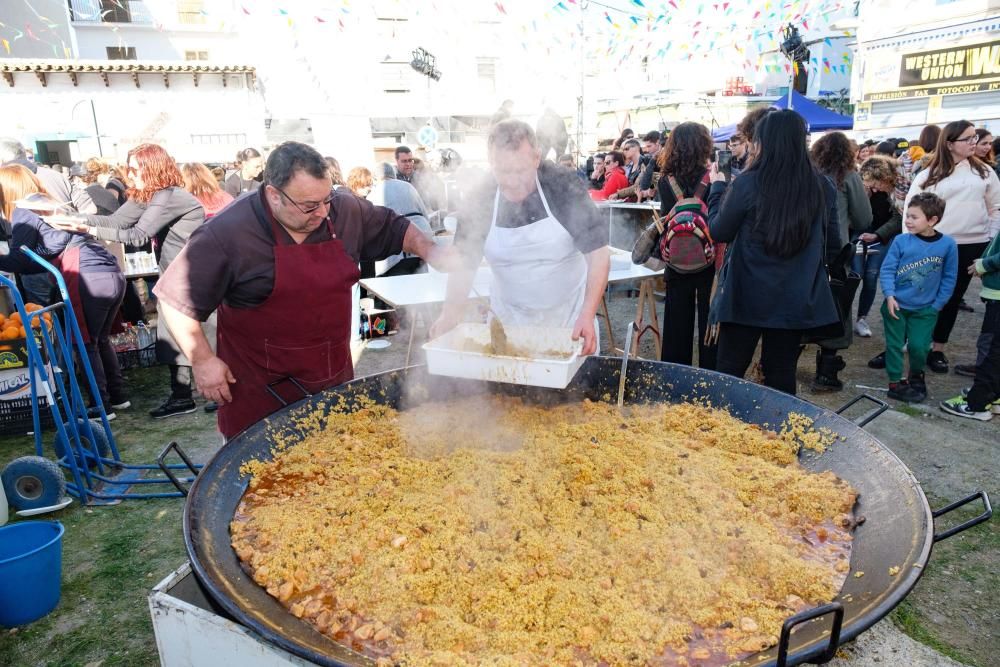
column 13, row 352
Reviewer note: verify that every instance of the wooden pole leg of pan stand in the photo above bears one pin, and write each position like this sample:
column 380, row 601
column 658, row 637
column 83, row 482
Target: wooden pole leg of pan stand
column 418, row 314
column 603, row 314
column 646, row 308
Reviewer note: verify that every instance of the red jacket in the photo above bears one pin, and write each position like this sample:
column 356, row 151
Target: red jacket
column 614, row 181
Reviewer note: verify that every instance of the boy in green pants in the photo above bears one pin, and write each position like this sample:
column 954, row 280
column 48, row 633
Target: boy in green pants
column 917, row 277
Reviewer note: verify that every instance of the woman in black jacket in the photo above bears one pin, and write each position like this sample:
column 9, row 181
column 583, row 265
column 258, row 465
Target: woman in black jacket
column 684, row 163
column 780, row 219
column 160, row 210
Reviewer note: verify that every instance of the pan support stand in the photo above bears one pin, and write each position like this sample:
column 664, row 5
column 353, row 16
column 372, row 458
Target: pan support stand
column 646, row 319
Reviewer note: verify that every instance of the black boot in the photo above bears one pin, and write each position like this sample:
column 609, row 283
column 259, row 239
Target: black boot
column 919, row 384
column 828, row 364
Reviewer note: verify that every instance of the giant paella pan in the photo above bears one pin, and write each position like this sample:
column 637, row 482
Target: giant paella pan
column 898, row 528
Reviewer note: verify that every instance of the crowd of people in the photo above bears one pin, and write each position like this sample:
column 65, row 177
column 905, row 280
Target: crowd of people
column 767, row 248
column 795, row 228
column 152, row 203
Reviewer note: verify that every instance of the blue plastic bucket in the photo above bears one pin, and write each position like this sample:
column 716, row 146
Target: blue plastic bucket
column 30, row 570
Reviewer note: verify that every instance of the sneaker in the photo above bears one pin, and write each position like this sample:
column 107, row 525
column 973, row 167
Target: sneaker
column 958, row 407
column 902, row 391
column 862, row 329
column 878, row 361
column 919, row 385
column 968, row 370
column 122, row 404
column 962, row 305
column 994, row 406
column 173, row 406
column 94, row 413
column 937, row 362
column 211, row 406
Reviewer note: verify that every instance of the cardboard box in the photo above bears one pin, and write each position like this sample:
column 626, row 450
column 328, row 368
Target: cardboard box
column 13, row 354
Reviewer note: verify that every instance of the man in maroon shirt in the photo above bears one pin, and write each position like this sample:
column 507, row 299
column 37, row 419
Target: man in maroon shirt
column 279, row 265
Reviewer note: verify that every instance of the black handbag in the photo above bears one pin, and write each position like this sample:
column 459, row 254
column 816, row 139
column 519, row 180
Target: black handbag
column 646, row 249
column 844, row 285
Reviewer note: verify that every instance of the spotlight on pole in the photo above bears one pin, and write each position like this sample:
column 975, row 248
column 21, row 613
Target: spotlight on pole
column 423, row 62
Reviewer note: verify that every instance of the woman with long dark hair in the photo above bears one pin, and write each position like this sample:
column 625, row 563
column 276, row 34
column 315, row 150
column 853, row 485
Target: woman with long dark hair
column 780, row 220
column 247, row 177
column 684, row 165
column 160, row 210
column 833, row 155
column 971, row 191
column 984, row 147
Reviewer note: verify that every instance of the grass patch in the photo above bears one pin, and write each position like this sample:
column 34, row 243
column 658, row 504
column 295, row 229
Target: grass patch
column 908, row 619
column 113, row 556
column 909, row 410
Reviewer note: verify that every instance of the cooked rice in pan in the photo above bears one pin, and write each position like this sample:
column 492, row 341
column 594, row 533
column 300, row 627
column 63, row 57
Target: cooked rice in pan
column 491, row 531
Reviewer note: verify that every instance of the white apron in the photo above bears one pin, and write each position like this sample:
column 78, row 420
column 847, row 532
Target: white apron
column 539, row 276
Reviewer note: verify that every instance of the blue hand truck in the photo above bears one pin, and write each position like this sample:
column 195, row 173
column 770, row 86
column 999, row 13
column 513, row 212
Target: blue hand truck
column 85, row 447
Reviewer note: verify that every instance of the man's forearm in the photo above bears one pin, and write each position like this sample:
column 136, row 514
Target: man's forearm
column 418, row 243
column 187, row 333
column 598, row 264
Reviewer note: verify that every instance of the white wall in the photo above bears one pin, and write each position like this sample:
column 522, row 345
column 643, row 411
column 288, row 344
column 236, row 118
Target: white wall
column 153, row 44
column 127, row 116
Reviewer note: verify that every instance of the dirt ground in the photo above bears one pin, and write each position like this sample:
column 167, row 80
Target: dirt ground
column 113, row 555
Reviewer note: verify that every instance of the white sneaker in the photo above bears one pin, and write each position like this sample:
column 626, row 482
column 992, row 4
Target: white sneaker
column 862, row 329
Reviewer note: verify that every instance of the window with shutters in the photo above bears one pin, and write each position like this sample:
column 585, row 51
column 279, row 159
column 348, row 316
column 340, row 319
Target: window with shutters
column 191, row 11
column 120, row 52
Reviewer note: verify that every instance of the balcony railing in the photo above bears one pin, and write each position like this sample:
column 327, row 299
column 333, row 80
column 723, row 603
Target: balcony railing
column 110, row 11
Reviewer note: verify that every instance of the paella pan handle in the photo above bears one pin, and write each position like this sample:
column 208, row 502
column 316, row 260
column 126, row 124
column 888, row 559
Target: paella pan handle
column 865, row 419
column 628, row 351
column 834, row 608
column 985, row 516
column 271, row 385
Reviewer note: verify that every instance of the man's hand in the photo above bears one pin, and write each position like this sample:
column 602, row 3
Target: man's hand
column 892, row 307
column 973, row 271
column 584, row 328
column 868, row 237
column 213, row 377
column 445, row 323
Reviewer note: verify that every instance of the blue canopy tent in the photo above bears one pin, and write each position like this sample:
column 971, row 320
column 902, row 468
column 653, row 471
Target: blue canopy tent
column 818, row 119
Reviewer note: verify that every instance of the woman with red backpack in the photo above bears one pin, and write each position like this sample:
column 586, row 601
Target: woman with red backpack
column 686, row 245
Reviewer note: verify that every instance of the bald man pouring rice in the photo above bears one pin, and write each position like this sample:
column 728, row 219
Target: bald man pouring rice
column 542, row 236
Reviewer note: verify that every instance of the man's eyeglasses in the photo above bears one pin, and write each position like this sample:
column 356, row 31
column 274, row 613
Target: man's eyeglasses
column 307, row 208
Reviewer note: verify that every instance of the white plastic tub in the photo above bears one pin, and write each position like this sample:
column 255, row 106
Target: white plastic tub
column 447, row 355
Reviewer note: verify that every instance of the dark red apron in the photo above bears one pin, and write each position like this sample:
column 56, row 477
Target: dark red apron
column 68, row 264
column 301, row 331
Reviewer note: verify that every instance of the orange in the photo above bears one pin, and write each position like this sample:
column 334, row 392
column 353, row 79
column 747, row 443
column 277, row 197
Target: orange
column 15, row 317
column 11, row 333
column 32, row 307
column 21, row 332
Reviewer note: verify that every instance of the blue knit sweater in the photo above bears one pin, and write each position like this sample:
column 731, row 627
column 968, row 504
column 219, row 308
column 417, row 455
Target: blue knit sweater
column 920, row 271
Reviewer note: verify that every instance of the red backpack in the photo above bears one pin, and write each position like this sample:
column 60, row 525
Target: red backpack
column 686, row 244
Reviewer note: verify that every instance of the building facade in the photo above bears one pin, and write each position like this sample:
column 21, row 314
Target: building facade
column 943, row 65
column 125, row 73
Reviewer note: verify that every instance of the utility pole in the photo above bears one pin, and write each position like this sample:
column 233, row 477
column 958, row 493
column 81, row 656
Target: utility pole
column 583, row 66
column 97, row 131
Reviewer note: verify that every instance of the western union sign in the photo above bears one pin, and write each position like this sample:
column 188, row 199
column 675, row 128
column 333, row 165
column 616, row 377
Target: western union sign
column 949, row 67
